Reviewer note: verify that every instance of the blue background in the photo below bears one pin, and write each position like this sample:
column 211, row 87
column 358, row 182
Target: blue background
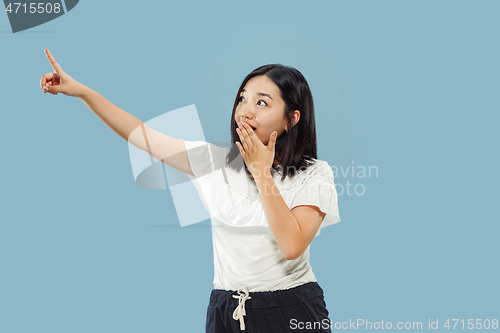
column 408, row 87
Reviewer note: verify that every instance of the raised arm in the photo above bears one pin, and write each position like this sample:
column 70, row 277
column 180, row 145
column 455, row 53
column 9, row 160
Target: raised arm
column 164, row 148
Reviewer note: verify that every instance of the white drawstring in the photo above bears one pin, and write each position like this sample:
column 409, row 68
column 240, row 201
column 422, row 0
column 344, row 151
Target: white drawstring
column 239, row 312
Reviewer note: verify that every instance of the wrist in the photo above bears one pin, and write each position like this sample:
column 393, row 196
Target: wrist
column 83, row 92
column 263, row 175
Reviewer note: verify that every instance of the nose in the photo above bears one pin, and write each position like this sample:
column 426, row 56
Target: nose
column 246, row 112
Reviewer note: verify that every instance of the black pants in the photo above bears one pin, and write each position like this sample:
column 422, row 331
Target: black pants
column 300, row 309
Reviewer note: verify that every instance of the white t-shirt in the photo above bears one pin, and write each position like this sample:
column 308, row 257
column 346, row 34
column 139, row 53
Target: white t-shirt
column 246, row 254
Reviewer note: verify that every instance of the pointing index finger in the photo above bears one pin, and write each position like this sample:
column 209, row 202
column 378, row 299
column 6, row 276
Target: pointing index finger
column 53, row 62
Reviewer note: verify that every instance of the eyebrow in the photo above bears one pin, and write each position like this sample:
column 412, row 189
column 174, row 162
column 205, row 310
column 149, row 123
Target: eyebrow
column 260, row 93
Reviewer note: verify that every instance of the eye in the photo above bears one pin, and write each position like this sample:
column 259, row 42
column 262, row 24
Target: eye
column 241, row 99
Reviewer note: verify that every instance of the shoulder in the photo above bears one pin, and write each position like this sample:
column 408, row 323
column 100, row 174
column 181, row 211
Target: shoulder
column 218, row 147
column 319, row 169
column 205, row 157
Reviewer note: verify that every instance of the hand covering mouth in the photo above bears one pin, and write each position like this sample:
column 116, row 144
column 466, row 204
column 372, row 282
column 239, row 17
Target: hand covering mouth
column 254, row 128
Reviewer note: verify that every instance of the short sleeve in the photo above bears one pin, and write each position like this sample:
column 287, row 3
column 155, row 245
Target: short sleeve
column 205, row 158
column 318, row 189
column 207, row 161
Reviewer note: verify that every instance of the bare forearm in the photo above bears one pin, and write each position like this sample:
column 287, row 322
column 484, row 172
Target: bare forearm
column 285, row 227
column 121, row 122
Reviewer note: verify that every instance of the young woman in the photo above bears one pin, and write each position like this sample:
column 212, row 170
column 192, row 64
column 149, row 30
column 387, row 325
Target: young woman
column 269, row 197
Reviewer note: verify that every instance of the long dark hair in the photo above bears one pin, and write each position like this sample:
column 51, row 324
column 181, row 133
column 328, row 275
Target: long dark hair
column 297, row 148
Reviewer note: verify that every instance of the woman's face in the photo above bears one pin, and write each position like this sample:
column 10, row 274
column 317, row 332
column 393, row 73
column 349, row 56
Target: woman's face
column 261, row 106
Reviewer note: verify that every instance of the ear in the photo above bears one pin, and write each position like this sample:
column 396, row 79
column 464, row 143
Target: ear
column 295, row 117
